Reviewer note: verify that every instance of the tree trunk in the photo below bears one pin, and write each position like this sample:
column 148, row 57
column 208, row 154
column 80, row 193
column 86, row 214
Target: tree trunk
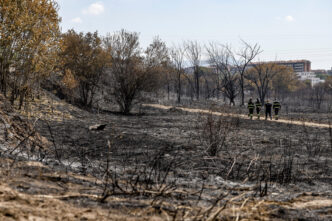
column 179, row 89
column 197, row 82
column 22, row 95
column 231, row 101
column 242, row 90
column 168, row 90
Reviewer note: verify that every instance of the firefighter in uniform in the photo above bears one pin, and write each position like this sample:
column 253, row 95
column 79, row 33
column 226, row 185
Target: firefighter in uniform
column 268, row 107
column 276, row 108
column 251, row 107
column 258, row 108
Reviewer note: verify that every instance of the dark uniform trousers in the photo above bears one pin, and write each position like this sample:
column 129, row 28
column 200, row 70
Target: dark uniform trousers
column 276, row 107
column 268, row 107
column 251, row 108
column 258, row 109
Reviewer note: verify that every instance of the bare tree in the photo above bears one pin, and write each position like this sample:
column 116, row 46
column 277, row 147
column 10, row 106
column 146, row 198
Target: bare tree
column 261, row 76
column 126, row 77
column 242, row 59
column 177, row 54
column 319, row 92
column 157, row 63
column 220, row 58
column 132, row 73
column 193, row 54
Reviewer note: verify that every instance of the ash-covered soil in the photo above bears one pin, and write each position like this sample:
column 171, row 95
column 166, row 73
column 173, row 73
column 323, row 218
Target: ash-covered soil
column 161, row 164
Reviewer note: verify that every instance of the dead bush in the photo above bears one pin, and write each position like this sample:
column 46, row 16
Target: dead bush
column 213, row 132
column 151, row 179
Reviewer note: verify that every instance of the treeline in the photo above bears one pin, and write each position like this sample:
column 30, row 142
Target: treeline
column 29, row 43
column 85, row 68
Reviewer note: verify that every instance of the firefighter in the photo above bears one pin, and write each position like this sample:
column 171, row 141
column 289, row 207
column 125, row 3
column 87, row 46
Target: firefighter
column 268, row 108
column 258, row 108
column 251, row 107
column 276, row 108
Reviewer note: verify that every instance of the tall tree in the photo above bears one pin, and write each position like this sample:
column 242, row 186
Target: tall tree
column 220, row 59
column 241, row 59
column 132, row 73
column 318, row 94
column 193, row 54
column 261, row 76
column 177, row 54
column 157, row 63
column 28, row 44
column 284, row 83
column 83, row 57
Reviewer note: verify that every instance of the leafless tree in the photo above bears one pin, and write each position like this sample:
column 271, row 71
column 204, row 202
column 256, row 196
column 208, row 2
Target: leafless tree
column 241, row 59
column 261, row 76
column 127, row 77
column 126, row 74
column 220, row 58
column 177, row 54
column 319, row 92
column 328, row 84
column 193, row 54
column 157, row 63
column 133, row 71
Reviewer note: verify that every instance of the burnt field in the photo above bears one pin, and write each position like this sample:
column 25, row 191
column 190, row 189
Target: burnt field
column 171, row 164
column 230, row 147
column 179, row 158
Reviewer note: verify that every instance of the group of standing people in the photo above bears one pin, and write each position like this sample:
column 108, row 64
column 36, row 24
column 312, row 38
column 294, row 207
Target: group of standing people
column 268, row 108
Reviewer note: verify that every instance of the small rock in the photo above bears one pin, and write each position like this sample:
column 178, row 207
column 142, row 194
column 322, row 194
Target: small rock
column 98, row 127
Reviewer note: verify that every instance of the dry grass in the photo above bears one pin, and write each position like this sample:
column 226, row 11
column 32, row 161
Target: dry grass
column 31, row 190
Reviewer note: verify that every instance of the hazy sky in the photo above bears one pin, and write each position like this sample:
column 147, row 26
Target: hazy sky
column 285, row 29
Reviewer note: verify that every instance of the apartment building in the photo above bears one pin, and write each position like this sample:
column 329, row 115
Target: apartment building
column 296, row 65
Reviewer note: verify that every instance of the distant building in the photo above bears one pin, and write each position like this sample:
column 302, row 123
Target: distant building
column 302, row 69
column 319, row 71
column 296, row 65
column 311, row 76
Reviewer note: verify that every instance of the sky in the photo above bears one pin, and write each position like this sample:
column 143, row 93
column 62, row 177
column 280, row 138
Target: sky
column 284, row 29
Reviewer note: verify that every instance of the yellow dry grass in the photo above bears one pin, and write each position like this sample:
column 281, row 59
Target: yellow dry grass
column 16, row 204
column 46, row 108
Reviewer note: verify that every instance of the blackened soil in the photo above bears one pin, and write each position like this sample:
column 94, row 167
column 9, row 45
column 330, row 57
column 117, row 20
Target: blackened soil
column 257, row 158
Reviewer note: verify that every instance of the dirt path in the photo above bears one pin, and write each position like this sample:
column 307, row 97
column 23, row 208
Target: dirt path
column 191, row 110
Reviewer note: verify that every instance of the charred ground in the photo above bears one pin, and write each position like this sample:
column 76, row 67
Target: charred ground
column 167, row 164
